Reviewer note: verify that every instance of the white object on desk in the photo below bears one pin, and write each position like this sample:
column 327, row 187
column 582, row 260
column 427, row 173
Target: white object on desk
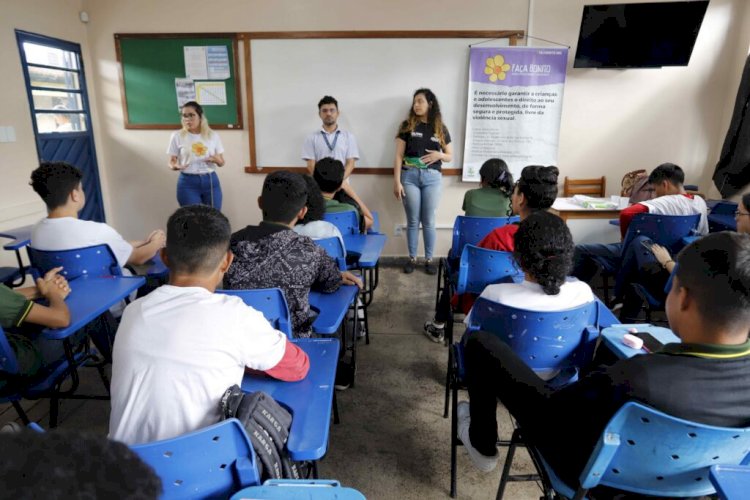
column 632, row 341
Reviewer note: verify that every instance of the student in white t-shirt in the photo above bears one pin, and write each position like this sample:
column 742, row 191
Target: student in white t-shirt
column 59, row 186
column 179, row 348
column 544, row 251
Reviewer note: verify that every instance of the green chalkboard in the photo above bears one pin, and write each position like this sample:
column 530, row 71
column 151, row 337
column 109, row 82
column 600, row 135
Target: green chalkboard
column 149, row 65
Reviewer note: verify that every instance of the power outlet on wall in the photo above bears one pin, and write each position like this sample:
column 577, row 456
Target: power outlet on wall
column 398, row 229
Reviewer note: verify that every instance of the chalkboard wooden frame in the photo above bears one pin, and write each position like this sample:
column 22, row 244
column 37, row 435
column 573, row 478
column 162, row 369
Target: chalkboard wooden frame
column 254, row 168
column 208, row 38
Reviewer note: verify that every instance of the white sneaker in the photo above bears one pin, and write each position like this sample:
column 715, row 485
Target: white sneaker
column 481, row 462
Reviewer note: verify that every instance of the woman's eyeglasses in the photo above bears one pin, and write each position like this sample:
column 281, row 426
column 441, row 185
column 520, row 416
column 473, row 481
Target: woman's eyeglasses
column 738, row 213
column 188, row 115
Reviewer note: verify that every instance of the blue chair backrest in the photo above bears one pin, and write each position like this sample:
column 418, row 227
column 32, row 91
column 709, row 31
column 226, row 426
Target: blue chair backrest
column 347, row 222
column 724, row 207
column 8, row 361
column 97, row 260
column 333, row 247
column 471, row 230
column 546, row 341
column 271, row 302
column 480, row 267
column 666, row 230
column 649, row 452
column 213, row 462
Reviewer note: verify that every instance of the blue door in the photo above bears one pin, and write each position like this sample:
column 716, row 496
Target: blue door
column 59, row 103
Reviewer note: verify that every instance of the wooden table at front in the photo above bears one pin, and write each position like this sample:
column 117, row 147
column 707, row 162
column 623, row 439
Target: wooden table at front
column 566, row 209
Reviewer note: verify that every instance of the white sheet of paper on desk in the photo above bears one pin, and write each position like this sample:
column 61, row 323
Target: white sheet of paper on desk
column 196, row 67
column 594, row 203
column 211, row 93
column 185, row 89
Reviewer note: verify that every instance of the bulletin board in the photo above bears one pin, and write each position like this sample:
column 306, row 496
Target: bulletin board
column 204, row 63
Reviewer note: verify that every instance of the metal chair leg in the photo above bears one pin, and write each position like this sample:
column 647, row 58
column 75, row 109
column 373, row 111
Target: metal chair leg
column 448, row 380
column 21, row 413
column 336, row 419
column 507, row 465
column 454, row 440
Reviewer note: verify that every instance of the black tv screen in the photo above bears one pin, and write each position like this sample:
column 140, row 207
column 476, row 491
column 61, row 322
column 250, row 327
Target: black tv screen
column 639, row 35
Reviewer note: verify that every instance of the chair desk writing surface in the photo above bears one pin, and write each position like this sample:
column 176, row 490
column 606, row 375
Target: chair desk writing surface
column 299, row 489
column 331, row 308
column 21, row 237
column 567, row 209
column 91, row 296
column 367, row 247
column 309, row 400
column 732, row 482
column 612, row 338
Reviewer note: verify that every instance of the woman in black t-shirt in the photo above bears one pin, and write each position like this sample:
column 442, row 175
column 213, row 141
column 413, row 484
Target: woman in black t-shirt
column 422, row 145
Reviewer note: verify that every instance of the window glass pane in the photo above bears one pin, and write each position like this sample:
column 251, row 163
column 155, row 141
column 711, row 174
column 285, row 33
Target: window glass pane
column 45, row 77
column 49, row 56
column 50, row 99
column 69, row 122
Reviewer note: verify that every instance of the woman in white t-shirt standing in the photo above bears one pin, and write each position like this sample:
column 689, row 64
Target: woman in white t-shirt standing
column 196, row 151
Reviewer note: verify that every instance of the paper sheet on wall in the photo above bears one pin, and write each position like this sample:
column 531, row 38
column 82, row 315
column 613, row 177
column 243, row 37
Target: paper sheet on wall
column 217, row 59
column 185, row 89
column 196, row 67
column 211, row 93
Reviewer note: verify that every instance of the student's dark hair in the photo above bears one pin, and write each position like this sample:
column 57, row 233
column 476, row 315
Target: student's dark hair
column 716, row 270
column 539, row 185
column 62, row 464
column 329, row 174
column 434, row 116
column 283, row 196
column 494, row 173
column 54, row 180
column 544, row 249
column 327, row 100
column 197, row 107
column 316, row 204
column 197, row 239
column 667, row 172
column 746, row 201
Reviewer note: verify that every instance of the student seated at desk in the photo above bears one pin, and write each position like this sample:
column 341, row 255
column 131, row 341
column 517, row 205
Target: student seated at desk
column 671, row 199
column 656, row 264
column 312, row 224
column 180, row 347
column 272, row 255
column 59, row 186
column 18, row 312
column 703, row 379
column 329, row 174
column 492, row 198
column 535, row 190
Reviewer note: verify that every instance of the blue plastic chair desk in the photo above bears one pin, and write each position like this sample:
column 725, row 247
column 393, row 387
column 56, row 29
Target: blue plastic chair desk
column 21, row 237
column 299, row 489
column 157, row 269
column 367, row 247
column 309, row 400
column 615, row 222
column 612, row 338
column 331, row 308
column 90, row 297
column 732, row 482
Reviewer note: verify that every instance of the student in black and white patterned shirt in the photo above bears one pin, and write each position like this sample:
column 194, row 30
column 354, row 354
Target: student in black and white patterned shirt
column 272, row 255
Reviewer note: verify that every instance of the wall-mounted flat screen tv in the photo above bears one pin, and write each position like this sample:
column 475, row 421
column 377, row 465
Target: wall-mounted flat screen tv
column 639, row 35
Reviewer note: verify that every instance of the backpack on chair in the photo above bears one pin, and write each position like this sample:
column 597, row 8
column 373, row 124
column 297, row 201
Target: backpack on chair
column 267, row 424
column 635, row 186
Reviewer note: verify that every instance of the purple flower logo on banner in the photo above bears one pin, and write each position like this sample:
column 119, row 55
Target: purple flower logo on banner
column 496, row 68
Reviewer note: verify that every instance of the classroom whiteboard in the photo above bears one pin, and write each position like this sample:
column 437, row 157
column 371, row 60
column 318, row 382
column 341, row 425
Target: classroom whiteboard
column 373, row 81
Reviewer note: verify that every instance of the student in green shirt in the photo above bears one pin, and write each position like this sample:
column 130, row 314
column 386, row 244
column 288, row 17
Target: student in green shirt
column 492, row 199
column 329, row 174
column 17, row 309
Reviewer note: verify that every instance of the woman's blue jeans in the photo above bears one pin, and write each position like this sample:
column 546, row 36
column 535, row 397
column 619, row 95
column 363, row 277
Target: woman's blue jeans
column 423, row 187
column 199, row 189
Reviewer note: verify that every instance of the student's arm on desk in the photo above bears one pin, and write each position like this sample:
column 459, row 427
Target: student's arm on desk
column 143, row 251
column 366, row 214
column 293, row 366
column 627, row 215
column 55, row 289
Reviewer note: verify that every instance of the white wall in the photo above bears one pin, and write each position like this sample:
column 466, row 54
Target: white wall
column 613, row 121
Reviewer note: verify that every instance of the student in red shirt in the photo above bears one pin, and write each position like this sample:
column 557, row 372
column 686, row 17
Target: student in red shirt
column 535, row 190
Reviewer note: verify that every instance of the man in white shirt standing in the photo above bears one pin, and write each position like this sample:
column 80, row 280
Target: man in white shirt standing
column 332, row 142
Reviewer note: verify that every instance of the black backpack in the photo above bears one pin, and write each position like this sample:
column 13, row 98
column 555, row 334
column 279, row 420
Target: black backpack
column 267, row 423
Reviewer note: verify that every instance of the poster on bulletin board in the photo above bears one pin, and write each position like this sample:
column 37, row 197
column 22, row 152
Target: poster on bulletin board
column 514, row 107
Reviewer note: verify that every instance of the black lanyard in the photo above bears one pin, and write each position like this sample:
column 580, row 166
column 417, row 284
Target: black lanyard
column 335, row 139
